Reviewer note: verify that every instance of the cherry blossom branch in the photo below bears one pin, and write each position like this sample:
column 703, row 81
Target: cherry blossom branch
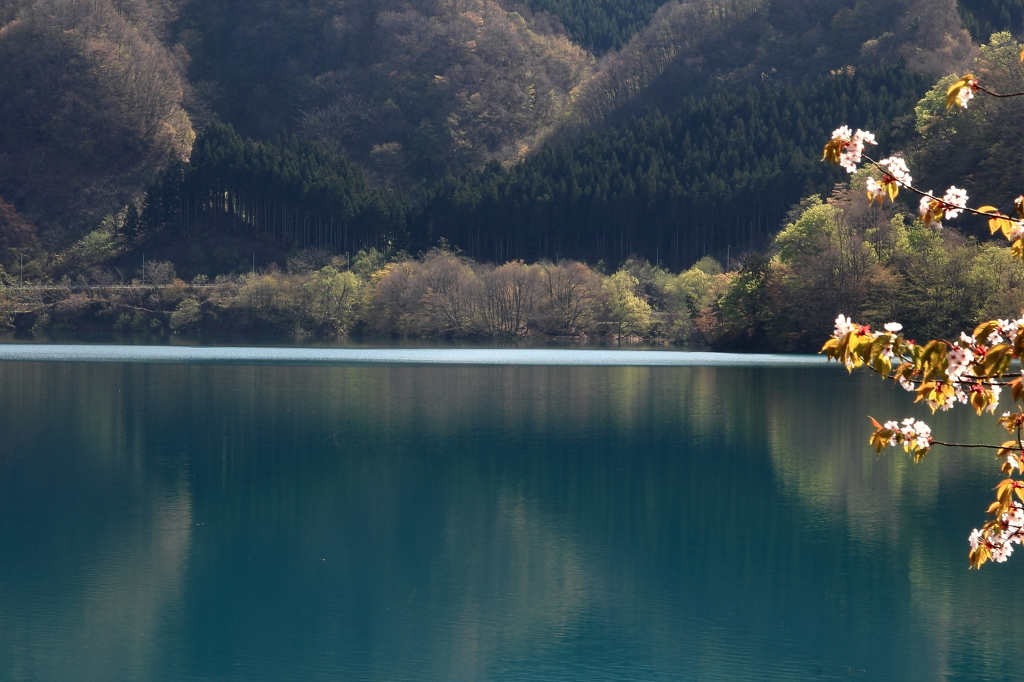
column 961, row 92
column 922, row 193
column 952, row 366
column 996, row 94
column 967, row 445
column 846, row 148
column 973, row 379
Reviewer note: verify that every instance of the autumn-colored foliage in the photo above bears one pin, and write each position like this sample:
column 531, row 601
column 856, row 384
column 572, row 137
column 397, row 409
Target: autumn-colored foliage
column 91, row 104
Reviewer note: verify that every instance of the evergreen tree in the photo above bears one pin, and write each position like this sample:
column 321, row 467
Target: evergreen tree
column 717, row 177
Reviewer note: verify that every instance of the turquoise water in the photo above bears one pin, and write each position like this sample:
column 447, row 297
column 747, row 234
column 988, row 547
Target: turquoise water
column 288, row 517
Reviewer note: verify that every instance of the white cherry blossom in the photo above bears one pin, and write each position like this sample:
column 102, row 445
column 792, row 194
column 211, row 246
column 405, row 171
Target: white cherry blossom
column 843, row 133
column 1001, row 552
column 853, row 146
column 975, row 538
column 896, row 167
column 965, row 95
column 958, row 360
column 863, row 137
column 874, row 190
column 918, row 432
column 843, row 325
column 955, row 201
column 924, row 209
column 1012, row 460
column 996, row 336
column 996, row 391
column 1014, row 520
column 909, row 432
column 1016, row 230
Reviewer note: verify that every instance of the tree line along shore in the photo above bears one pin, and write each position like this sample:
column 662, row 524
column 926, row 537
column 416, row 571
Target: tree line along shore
column 835, row 253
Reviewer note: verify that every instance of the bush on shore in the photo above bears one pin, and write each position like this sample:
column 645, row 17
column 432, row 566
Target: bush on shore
column 438, row 295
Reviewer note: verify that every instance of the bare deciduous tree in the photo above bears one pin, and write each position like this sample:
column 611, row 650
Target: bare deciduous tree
column 571, row 297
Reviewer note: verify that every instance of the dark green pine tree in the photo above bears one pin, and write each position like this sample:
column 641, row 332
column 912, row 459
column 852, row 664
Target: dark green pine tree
column 985, row 17
column 716, row 177
column 287, row 191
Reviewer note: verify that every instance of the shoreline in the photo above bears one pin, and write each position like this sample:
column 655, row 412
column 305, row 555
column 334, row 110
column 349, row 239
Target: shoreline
column 272, row 355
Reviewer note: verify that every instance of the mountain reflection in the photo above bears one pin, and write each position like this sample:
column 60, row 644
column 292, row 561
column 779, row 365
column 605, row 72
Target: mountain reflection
column 101, row 531
column 818, row 434
column 888, row 504
column 480, row 523
column 131, row 596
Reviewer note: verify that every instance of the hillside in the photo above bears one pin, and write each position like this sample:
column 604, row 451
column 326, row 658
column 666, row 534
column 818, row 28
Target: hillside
column 93, row 108
column 600, row 26
column 405, row 88
column 587, row 130
column 715, row 177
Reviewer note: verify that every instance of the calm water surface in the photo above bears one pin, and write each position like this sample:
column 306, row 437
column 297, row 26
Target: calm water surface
column 485, row 522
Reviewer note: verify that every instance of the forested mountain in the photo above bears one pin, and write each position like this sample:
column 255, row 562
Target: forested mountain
column 719, row 175
column 287, row 191
column 542, row 128
column 406, row 88
column 701, row 47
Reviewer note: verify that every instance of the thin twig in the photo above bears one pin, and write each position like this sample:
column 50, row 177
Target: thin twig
column 996, row 94
column 970, row 445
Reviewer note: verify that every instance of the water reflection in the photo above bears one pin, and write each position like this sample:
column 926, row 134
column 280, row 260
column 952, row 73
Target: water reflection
column 481, row 523
column 128, row 598
column 920, row 514
column 96, row 535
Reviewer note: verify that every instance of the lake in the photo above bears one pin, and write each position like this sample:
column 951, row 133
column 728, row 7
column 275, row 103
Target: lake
column 519, row 516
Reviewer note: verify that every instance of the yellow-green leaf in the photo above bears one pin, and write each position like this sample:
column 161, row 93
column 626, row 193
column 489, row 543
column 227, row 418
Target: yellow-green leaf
column 833, row 151
column 954, row 90
column 1016, row 388
column 998, row 359
column 1017, row 250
